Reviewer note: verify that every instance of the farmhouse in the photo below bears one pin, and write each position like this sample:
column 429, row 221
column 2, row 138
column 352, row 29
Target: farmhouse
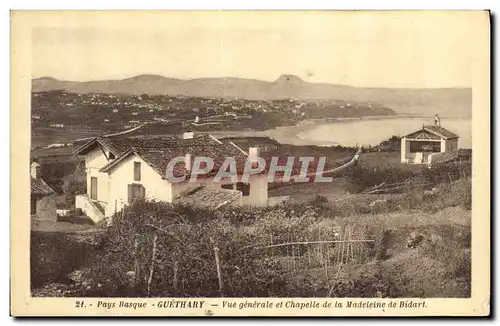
column 43, row 204
column 121, row 169
column 420, row 146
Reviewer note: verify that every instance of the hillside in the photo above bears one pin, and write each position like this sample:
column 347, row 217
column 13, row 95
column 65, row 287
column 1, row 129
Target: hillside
column 449, row 102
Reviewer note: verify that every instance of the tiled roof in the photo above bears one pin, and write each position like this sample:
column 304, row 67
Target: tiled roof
column 159, row 157
column 40, row 187
column 440, row 131
column 212, row 197
column 465, row 152
column 436, row 131
column 118, row 145
column 439, row 158
column 158, row 152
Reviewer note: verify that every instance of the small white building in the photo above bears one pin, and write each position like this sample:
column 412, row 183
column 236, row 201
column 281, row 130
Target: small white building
column 57, row 125
column 419, row 146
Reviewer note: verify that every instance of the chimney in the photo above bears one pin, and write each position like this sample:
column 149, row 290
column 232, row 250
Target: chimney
column 187, row 162
column 188, row 135
column 35, row 170
column 253, row 154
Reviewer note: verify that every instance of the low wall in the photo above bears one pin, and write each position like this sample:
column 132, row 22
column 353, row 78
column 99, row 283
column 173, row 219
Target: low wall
column 85, row 204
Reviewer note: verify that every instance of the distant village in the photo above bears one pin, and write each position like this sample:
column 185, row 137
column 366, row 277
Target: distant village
column 64, row 111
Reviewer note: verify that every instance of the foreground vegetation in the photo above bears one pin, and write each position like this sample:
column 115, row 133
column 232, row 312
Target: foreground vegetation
column 421, row 248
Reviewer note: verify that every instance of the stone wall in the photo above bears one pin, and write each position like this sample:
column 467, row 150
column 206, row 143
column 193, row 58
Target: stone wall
column 46, row 208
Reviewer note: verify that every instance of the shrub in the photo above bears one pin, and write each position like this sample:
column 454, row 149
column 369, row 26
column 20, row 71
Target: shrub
column 184, row 262
column 53, row 173
column 392, row 144
column 457, row 193
column 54, row 255
column 447, row 172
column 361, row 178
column 73, row 188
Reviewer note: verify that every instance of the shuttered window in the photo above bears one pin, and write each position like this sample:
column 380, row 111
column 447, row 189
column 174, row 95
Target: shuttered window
column 137, row 171
column 93, row 188
column 135, row 191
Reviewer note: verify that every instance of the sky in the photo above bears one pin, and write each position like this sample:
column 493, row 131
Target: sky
column 384, row 49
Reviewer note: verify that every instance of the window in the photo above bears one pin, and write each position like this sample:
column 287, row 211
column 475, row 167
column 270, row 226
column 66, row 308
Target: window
column 93, row 188
column 111, row 156
column 244, row 188
column 135, row 191
column 423, row 146
column 137, row 171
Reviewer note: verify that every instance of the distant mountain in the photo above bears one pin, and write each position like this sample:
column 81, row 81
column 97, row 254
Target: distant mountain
column 449, row 102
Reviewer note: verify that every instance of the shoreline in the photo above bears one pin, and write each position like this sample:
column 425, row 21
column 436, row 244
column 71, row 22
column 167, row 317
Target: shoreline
column 291, row 134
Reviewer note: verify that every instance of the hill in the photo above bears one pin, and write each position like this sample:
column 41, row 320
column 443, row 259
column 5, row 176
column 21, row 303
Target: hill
column 449, row 102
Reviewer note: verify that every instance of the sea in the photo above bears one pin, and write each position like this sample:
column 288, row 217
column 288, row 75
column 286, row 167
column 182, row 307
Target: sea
column 364, row 132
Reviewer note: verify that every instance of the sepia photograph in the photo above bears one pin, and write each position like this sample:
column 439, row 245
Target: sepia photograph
column 188, row 156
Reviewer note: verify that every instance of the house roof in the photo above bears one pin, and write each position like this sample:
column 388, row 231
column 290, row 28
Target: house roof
column 437, row 131
column 158, row 152
column 210, row 197
column 159, row 157
column 118, row 145
column 40, row 188
column 439, row 158
column 440, row 131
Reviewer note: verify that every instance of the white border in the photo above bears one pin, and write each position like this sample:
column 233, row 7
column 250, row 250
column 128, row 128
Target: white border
column 147, row 4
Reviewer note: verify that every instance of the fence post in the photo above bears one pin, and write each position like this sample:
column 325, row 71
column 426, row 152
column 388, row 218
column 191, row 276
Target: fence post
column 150, row 279
column 272, row 249
column 136, row 261
column 219, row 271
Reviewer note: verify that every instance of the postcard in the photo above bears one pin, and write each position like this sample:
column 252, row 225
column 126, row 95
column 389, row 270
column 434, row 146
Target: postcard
column 250, row 163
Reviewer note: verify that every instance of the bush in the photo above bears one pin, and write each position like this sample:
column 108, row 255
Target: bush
column 73, row 188
column 184, row 263
column 392, row 144
column 447, row 172
column 361, row 178
column 54, row 172
column 185, row 252
column 457, row 193
column 54, row 255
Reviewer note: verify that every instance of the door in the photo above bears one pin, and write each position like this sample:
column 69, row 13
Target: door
column 93, row 188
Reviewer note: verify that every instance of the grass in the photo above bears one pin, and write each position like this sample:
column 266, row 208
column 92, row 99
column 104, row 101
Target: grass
column 63, row 225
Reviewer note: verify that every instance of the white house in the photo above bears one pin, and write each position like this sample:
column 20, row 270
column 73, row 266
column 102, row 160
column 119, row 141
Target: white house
column 120, row 169
column 422, row 145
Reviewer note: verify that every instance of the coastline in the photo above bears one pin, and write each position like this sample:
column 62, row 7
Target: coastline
column 291, row 135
